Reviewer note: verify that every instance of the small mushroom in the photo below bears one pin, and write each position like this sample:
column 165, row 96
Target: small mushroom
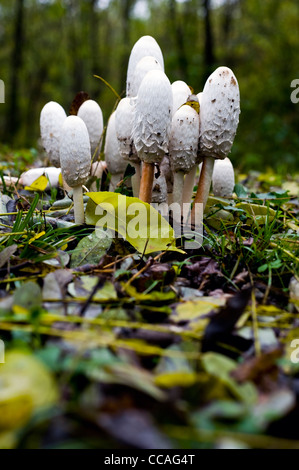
column 145, row 46
column 219, row 115
column 91, row 113
column 75, row 159
column 124, row 118
column 183, row 146
column 115, row 164
column 180, row 93
column 223, row 179
column 52, row 117
column 152, row 126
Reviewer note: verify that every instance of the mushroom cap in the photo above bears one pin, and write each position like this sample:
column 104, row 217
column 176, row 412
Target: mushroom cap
column 199, row 96
column 184, row 137
column 115, row 164
column 145, row 64
column 219, row 113
column 180, row 93
column 124, row 118
column 52, row 117
column 159, row 194
column 91, row 113
column 223, row 178
column 145, row 46
column 75, row 155
column 152, row 118
column 31, row 175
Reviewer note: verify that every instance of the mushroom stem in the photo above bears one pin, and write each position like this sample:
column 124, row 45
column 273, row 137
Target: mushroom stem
column 178, row 184
column 78, row 204
column 136, row 179
column 189, row 185
column 115, row 179
column 204, row 185
column 146, row 183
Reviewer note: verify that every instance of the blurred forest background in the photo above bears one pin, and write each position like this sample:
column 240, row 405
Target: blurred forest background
column 51, row 49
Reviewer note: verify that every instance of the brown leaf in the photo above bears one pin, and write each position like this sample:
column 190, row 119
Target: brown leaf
column 77, row 101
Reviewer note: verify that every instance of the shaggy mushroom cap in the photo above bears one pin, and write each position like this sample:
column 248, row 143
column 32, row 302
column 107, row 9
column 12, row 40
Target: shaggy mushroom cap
column 223, row 178
column 184, row 137
column 146, row 64
column 52, row 117
column 152, row 118
column 115, row 163
column 124, row 118
column 145, row 46
column 91, row 113
column 75, row 155
column 180, row 93
column 219, row 113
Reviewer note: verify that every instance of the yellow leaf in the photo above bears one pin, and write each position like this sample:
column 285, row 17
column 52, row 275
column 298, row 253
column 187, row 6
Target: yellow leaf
column 39, row 184
column 147, row 231
column 38, row 235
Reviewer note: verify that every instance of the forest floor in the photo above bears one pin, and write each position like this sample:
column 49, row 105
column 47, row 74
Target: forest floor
column 110, row 346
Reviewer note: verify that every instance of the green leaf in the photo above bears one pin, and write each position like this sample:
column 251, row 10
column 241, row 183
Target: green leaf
column 257, row 212
column 136, row 221
column 91, row 248
column 221, row 367
column 240, row 190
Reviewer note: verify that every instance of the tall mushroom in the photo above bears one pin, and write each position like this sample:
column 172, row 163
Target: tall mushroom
column 115, row 164
column 219, row 114
column 223, row 179
column 75, row 159
column 145, row 64
column 52, row 117
column 152, row 126
column 91, row 113
column 183, row 146
column 124, row 118
column 145, row 46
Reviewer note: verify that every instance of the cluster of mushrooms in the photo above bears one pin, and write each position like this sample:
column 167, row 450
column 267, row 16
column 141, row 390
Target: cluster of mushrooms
column 163, row 130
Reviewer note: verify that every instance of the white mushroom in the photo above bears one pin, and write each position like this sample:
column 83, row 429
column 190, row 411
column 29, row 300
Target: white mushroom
column 75, row 159
column 115, row 164
column 223, row 178
column 52, row 117
column 219, row 115
column 183, row 146
column 92, row 115
column 152, row 126
column 145, row 46
column 33, row 174
column 124, row 118
column 146, row 64
column 180, row 93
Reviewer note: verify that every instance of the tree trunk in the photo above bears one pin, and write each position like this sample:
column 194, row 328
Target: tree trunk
column 209, row 56
column 126, row 7
column 179, row 40
column 13, row 117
